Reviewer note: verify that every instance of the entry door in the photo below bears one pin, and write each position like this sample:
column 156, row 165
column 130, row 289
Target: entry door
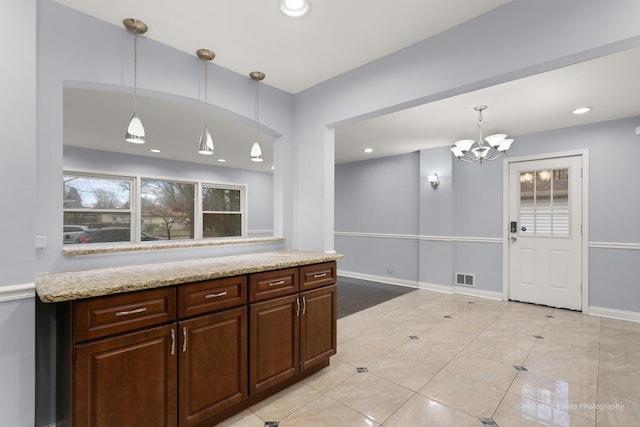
column 545, row 232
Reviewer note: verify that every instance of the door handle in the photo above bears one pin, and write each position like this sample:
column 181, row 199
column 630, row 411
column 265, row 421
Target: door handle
column 513, row 239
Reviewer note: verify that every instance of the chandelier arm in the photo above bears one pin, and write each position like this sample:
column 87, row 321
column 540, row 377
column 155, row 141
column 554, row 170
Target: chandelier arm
column 494, row 156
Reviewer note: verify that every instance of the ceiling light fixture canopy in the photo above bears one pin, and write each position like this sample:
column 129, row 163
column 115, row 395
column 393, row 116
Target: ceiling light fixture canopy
column 256, row 150
column 294, row 8
column 135, row 131
column 206, row 140
column 496, row 145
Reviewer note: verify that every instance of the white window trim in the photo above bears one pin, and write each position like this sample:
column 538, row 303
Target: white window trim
column 136, row 202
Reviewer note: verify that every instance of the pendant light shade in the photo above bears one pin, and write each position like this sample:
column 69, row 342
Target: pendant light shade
column 256, row 152
column 135, row 130
column 205, row 145
column 256, row 149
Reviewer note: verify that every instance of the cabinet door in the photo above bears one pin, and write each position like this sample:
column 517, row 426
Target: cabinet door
column 273, row 342
column 318, row 325
column 129, row 380
column 212, row 364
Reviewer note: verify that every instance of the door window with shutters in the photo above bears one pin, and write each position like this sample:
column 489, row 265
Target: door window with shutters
column 544, row 203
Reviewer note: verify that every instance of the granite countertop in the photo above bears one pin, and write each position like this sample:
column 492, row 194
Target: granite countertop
column 73, row 285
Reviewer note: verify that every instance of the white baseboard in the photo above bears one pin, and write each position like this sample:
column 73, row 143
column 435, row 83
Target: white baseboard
column 436, row 288
column 475, row 292
column 17, row 292
column 447, row 289
column 612, row 313
column 382, row 279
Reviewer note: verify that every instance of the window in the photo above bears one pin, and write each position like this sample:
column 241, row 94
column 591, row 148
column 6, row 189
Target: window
column 544, row 203
column 96, row 202
column 167, row 208
column 101, row 208
column 221, row 211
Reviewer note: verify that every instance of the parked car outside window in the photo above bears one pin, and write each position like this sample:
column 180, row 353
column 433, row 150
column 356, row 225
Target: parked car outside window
column 111, row 234
column 71, row 233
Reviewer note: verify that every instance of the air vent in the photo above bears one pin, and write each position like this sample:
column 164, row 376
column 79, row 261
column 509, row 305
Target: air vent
column 464, row 279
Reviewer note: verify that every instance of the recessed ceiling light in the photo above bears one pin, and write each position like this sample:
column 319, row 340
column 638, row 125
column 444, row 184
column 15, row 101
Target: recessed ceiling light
column 368, row 150
column 154, row 150
column 222, row 160
column 582, row 110
column 294, row 8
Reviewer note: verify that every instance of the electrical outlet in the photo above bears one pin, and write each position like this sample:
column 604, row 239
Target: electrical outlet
column 390, row 271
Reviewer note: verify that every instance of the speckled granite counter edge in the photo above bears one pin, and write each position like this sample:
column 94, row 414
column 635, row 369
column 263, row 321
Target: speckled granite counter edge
column 73, row 285
column 103, row 248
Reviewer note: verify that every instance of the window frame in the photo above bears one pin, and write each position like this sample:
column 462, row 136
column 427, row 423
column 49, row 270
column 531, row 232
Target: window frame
column 135, row 205
column 242, row 212
column 99, row 175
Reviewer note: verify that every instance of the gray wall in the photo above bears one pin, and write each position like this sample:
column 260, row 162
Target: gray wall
column 17, row 222
column 461, row 222
column 376, row 197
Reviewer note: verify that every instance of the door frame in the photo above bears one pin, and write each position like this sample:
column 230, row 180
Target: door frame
column 585, row 218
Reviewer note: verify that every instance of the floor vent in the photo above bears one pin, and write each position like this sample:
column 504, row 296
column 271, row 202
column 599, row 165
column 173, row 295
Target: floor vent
column 464, row 279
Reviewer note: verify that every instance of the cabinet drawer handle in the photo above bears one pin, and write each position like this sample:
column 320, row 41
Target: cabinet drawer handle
column 278, row 283
column 319, row 275
column 173, row 342
column 127, row 313
column 184, row 339
column 219, row 294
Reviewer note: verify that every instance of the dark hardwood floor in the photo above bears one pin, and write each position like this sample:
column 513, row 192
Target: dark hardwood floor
column 355, row 294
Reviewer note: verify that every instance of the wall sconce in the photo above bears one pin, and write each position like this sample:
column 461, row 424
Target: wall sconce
column 433, row 180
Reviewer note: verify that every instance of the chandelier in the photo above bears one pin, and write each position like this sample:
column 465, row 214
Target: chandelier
column 490, row 148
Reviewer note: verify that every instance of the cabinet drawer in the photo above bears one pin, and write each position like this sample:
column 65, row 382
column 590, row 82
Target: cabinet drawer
column 317, row 275
column 99, row 317
column 271, row 284
column 211, row 295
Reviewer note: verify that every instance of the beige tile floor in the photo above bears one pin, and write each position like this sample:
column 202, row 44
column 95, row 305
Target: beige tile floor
column 460, row 370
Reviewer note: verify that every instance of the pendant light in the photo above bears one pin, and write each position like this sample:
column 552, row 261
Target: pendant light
column 256, row 150
column 135, row 131
column 206, row 141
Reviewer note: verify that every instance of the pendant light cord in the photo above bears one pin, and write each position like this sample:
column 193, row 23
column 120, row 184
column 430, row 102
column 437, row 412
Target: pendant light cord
column 257, row 107
column 135, row 71
column 206, row 78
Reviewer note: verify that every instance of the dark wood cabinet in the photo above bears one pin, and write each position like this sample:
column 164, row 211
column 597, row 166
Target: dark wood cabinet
column 293, row 333
column 212, row 364
column 192, row 355
column 128, row 380
column 318, row 326
column 274, row 342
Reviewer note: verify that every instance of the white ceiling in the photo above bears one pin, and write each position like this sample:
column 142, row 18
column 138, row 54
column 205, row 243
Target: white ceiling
column 298, row 53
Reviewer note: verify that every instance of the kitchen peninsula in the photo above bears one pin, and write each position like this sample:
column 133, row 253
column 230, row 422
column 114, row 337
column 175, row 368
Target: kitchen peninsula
column 189, row 343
